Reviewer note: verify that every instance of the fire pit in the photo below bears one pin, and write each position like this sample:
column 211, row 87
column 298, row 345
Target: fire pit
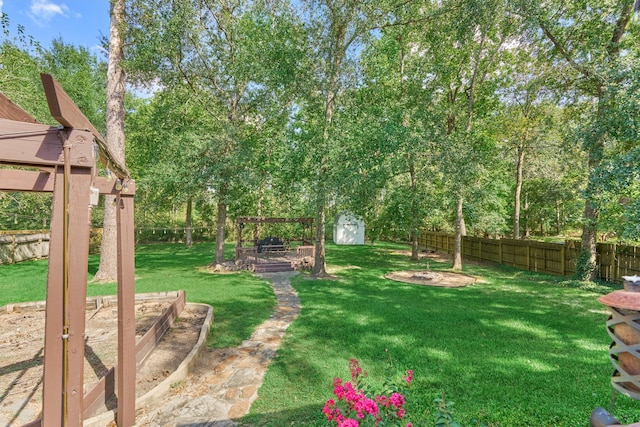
column 427, row 275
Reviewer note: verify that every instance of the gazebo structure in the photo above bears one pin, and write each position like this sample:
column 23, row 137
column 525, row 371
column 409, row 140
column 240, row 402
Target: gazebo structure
column 272, row 253
column 62, row 160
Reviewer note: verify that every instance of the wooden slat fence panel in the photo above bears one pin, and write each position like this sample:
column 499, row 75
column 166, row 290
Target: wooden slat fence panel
column 628, row 261
column 606, row 260
column 512, row 254
column 571, row 254
column 546, row 257
column 614, row 261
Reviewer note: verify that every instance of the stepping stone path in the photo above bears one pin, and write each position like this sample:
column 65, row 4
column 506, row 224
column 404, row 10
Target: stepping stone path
column 225, row 382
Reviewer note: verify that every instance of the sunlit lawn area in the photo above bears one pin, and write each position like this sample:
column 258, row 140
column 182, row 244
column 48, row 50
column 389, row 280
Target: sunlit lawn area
column 240, row 301
column 516, row 349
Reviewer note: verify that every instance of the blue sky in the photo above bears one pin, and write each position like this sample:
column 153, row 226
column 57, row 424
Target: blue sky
column 79, row 22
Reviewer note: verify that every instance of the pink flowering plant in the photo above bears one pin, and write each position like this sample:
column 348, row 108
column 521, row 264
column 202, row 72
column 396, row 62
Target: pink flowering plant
column 356, row 404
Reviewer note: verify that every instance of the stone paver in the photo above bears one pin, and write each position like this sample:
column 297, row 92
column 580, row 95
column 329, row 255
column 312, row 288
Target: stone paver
column 225, row 382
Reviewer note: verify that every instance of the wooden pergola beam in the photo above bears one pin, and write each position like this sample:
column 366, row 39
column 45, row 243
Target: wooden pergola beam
column 65, row 111
column 242, row 220
column 11, row 111
column 40, row 145
column 272, row 220
column 42, row 182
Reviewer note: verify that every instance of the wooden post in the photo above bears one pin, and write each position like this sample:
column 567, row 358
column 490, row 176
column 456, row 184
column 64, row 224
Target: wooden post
column 52, row 380
column 563, row 255
column 126, row 313
column 78, row 247
column 239, row 228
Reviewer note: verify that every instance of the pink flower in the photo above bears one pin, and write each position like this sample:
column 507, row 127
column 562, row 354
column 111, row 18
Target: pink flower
column 356, row 370
column 397, row 400
column 352, row 404
column 409, row 376
column 331, row 411
column 382, row 400
column 349, row 422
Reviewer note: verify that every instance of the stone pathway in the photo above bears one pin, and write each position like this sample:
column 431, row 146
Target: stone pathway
column 225, row 382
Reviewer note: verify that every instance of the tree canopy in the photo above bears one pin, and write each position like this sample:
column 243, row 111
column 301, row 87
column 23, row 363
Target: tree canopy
column 483, row 117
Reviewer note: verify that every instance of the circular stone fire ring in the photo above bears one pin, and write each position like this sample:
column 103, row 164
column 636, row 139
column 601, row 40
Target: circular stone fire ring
column 443, row 279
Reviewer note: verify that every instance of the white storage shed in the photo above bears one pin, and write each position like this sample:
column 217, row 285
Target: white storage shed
column 348, row 229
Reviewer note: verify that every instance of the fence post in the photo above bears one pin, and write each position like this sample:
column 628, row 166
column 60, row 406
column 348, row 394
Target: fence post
column 562, row 259
column 12, row 248
column 528, row 252
column 500, row 250
column 615, row 269
column 616, row 264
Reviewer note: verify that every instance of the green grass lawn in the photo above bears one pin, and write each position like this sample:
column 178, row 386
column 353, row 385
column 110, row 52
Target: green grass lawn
column 240, row 301
column 518, row 349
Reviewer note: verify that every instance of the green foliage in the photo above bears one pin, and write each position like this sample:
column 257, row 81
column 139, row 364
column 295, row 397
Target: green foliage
column 25, row 211
column 444, row 413
column 80, row 73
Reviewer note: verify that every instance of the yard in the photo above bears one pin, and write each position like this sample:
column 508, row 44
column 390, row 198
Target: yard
column 514, row 349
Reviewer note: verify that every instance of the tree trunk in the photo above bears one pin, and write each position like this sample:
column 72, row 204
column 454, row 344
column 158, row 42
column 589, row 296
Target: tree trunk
column 587, row 267
column 188, row 239
column 220, row 223
column 527, row 230
column 414, row 211
column 457, row 241
column 415, row 252
column 257, row 227
column 516, row 198
column 108, row 268
column 558, row 220
column 319, row 269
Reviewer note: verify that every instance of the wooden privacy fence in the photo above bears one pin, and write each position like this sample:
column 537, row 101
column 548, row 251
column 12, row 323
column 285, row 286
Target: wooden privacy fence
column 614, row 261
column 17, row 246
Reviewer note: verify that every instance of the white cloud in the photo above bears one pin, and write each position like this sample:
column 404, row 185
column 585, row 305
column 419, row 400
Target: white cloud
column 42, row 11
column 1, row 6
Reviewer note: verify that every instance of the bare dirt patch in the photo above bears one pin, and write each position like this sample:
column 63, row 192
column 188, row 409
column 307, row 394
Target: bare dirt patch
column 444, row 279
column 22, row 348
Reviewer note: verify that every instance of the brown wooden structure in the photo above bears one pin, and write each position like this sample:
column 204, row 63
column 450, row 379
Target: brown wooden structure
column 250, row 255
column 306, row 222
column 62, row 160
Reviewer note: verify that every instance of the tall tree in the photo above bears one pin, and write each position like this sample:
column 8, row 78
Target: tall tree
column 231, row 55
column 399, row 155
column 335, row 28
column 462, row 50
column 588, row 39
column 167, row 153
column 108, row 268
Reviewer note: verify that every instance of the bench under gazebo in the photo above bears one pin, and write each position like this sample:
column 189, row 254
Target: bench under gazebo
column 274, row 253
